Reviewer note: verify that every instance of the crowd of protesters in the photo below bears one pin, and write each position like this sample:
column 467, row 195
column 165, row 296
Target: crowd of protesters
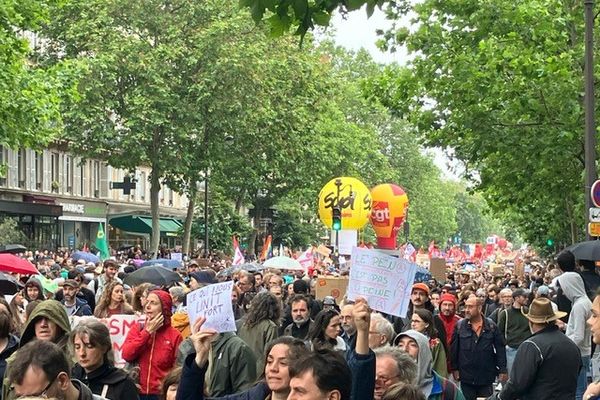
column 478, row 334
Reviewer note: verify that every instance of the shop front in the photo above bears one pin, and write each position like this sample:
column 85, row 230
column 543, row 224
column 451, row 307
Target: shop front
column 37, row 217
column 79, row 222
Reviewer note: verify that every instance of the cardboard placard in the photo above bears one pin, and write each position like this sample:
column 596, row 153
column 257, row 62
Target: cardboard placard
column 331, row 286
column 520, row 270
column 437, row 267
column 497, row 269
column 214, row 303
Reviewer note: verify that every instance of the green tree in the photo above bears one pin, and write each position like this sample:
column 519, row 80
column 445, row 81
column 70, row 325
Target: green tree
column 30, row 94
column 10, row 232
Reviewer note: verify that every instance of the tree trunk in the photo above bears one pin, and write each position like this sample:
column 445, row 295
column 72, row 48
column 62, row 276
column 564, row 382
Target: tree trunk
column 252, row 242
column 154, row 189
column 239, row 201
column 187, row 232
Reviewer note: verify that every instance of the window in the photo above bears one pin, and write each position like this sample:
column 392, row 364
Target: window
column 96, row 178
column 69, row 172
column 22, row 167
column 39, row 170
column 3, row 164
column 54, row 171
column 142, row 186
column 82, row 177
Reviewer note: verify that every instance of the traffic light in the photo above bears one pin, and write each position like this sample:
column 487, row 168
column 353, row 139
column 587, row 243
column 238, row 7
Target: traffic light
column 550, row 242
column 336, row 218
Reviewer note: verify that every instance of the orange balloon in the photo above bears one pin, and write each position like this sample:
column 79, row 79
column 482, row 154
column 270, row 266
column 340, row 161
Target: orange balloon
column 388, row 212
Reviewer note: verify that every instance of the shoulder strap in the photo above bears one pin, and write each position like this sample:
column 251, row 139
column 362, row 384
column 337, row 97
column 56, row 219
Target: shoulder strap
column 104, row 391
column 506, row 324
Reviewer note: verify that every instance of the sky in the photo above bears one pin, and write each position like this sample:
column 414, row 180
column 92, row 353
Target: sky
column 357, row 31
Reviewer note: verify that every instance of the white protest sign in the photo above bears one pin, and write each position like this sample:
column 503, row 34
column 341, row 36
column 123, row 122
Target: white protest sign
column 214, row 303
column 176, row 256
column 383, row 280
column 118, row 328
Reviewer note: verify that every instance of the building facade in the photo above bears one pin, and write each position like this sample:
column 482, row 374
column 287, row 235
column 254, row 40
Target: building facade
column 59, row 199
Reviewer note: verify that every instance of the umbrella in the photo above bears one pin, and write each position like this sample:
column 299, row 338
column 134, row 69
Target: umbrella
column 137, row 262
column 250, row 267
column 87, row 257
column 589, row 250
column 12, row 248
column 283, row 262
column 8, row 284
column 17, row 265
column 159, row 276
column 162, row 262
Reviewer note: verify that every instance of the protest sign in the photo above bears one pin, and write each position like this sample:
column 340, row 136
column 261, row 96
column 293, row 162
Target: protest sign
column 177, row 256
column 383, row 280
column 214, row 303
column 119, row 326
column 331, row 286
column 438, row 269
column 347, row 239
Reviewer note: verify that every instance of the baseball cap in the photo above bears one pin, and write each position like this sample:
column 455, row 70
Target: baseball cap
column 72, row 283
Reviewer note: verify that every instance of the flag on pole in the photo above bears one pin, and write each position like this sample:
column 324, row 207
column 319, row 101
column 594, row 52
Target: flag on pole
column 101, row 243
column 267, row 250
column 238, row 257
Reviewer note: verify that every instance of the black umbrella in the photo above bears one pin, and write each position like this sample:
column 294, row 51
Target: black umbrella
column 589, row 250
column 12, row 248
column 8, row 284
column 159, row 276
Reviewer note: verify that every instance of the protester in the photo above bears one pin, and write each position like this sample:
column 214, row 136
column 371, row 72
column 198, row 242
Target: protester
column 170, row 385
column 422, row 322
column 275, row 378
column 17, row 311
column 381, row 331
column 432, row 385
column 325, row 332
column 513, row 325
column 110, row 274
column 492, row 300
column 590, row 277
column 90, row 343
column 140, row 295
column 41, row 369
column 74, row 306
column 446, row 319
column 260, row 325
column 393, row 366
column 154, row 346
column 506, row 300
column 348, row 326
column 593, row 390
column 404, row 391
column 300, row 312
column 9, row 343
column 478, row 354
column 112, row 302
column 577, row 329
column 321, row 375
column 34, row 290
column 547, row 364
column 83, row 293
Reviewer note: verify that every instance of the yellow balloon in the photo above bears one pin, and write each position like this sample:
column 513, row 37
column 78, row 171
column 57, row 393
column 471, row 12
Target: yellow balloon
column 353, row 198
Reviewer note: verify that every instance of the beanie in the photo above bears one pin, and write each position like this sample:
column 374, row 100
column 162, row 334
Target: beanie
column 301, row 287
column 421, row 286
column 448, row 297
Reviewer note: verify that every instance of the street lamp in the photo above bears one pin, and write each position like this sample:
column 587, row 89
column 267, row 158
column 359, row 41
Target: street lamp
column 228, row 140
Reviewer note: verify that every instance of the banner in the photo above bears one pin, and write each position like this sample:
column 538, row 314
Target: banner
column 383, row 280
column 214, row 303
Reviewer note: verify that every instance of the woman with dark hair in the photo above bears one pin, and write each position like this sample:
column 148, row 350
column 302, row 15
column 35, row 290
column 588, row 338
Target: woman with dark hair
column 90, row 343
column 422, row 321
column 17, row 310
column 325, row 330
column 34, row 290
column 112, row 301
column 9, row 343
column 170, row 384
column 260, row 325
column 15, row 327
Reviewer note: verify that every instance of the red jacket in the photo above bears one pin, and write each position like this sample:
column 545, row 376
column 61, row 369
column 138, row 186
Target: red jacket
column 155, row 354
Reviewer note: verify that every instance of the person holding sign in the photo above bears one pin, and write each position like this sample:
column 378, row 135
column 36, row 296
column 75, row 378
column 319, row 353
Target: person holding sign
column 153, row 346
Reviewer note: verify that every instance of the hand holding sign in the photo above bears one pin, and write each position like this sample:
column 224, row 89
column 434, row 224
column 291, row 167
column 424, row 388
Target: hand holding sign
column 202, row 339
column 214, row 303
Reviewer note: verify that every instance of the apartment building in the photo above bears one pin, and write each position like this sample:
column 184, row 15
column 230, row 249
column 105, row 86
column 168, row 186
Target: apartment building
column 59, row 199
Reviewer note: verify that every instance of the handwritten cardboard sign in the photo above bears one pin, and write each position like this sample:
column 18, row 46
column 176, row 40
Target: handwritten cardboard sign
column 331, row 286
column 214, row 303
column 437, row 267
column 383, row 280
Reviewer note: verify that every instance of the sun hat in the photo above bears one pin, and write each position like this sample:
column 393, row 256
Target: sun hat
column 541, row 312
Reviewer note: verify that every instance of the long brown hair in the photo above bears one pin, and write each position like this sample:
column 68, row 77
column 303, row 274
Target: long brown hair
column 101, row 310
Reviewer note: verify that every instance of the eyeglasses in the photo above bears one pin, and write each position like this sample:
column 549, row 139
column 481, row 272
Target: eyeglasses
column 43, row 394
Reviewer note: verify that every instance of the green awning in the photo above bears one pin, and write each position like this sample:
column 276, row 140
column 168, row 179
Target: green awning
column 142, row 224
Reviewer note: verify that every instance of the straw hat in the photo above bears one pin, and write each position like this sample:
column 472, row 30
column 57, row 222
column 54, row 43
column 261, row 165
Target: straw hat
column 541, row 312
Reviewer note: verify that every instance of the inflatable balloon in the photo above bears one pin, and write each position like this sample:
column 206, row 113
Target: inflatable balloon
column 390, row 203
column 353, row 198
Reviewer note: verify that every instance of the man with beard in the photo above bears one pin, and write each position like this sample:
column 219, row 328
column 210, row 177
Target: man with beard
column 301, row 317
column 74, row 305
column 478, row 355
column 110, row 271
column 348, row 326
